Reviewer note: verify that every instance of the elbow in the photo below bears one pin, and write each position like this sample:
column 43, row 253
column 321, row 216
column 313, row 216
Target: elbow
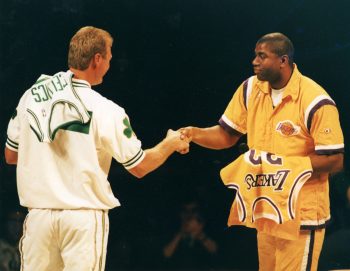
column 138, row 172
column 339, row 164
column 140, row 175
column 11, row 157
column 10, row 161
column 338, row 167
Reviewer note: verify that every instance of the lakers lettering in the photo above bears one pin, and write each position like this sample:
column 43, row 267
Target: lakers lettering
column 275, row 180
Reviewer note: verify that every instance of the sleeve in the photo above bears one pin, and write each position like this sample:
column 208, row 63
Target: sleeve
column 13, row 132
column 118, row 138
column 326, row 130
column 234, row 118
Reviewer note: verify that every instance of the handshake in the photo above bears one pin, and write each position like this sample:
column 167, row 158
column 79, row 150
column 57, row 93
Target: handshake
column 179, row 140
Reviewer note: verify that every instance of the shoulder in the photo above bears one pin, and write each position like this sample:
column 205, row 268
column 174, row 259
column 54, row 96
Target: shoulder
column 310, row 88
column 313, row 95
column 101, row 107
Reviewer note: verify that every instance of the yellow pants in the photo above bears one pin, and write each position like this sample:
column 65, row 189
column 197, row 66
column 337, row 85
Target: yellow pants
column 276, row 254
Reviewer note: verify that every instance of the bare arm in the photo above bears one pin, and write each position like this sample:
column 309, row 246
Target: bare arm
column 157, row 155
column 214, row 137
column 170, row 248
column 327, row 163
column 208, row 243
column 11, row 156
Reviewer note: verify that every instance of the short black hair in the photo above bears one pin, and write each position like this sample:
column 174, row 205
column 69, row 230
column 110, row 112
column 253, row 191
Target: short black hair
column 280, row 45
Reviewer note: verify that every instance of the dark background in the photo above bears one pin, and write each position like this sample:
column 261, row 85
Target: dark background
column 175, row 63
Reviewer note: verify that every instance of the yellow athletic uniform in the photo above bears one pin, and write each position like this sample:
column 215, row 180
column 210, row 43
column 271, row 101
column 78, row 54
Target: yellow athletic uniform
column 267, row 188
column 305, row 121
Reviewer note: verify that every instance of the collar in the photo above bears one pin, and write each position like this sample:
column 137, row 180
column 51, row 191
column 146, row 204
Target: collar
column 80, row 82
column 291, row 89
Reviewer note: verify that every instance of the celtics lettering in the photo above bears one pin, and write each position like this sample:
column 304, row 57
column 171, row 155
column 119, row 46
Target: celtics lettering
column 44, row 92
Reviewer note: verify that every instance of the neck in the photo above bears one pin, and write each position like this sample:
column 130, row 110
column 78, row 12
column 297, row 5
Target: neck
column 283, row 80
column 84, row 75
column 78, row 74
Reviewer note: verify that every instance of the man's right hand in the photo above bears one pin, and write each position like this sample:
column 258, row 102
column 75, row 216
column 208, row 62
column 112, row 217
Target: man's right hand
column 180, row 143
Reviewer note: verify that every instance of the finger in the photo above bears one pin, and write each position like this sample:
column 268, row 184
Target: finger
column 184, row 151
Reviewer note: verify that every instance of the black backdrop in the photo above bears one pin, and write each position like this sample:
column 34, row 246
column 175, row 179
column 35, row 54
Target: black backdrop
column 175, row 63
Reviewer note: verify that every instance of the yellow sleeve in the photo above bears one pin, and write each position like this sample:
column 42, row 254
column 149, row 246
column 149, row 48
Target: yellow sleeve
column 234, row 118
column 326, row 130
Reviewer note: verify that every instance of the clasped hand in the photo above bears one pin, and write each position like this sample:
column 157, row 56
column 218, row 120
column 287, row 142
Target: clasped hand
column 181, row 139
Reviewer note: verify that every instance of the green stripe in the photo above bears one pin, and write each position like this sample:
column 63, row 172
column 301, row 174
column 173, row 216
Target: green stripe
column 11, row 145
column 76, row 94
column 41, row 80
column 20, row 245
column 75, row 126
column 41, row 135
column 13, row 142
column 64, row 124
column 36, row 133
column 134, row 159
column 103, row 239
column 78, row 84
column 130, row 160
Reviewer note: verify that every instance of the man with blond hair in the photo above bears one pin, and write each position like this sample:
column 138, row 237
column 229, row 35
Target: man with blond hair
column 63, row 137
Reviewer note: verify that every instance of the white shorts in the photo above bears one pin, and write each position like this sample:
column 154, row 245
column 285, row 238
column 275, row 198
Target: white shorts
column 69, row 240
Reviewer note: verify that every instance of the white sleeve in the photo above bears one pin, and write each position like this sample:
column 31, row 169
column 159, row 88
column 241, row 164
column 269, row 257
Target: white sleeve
column 13, row 128
column 13, row 133
column 117, row 136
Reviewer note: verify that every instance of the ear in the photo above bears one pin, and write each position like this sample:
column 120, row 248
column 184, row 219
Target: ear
column 284, row 59
column 96, row 60
column 98, row 57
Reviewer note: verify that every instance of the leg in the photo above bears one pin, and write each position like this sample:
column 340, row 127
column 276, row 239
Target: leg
column 301, row 254
column 83, row 239
column 266, row 250
column 38, row 246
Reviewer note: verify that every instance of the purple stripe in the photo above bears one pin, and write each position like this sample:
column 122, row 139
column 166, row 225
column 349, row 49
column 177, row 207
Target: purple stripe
column 228, row 128
column 254, row 161
column 292, row 192
column 315, row 108
column 273, row 205
column 315, row 227
column 245, row 87
column 277, row 161
column 329, row 151
column 240, row 199
column 311, row 250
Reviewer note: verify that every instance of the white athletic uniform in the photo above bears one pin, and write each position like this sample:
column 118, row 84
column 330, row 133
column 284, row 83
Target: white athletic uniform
column 64, row 182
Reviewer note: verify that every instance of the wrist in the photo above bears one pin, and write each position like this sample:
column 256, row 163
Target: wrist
column 194, row 134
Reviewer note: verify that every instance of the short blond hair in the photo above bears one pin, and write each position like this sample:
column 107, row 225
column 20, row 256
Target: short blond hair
column 83, row 46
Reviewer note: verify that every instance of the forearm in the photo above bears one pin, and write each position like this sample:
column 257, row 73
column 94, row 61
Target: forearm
column 157, row 155
column 169, row 249
column 11, row 157
column 209, row 244
column 213, row 137
column 327, row 163
column 154, row 158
